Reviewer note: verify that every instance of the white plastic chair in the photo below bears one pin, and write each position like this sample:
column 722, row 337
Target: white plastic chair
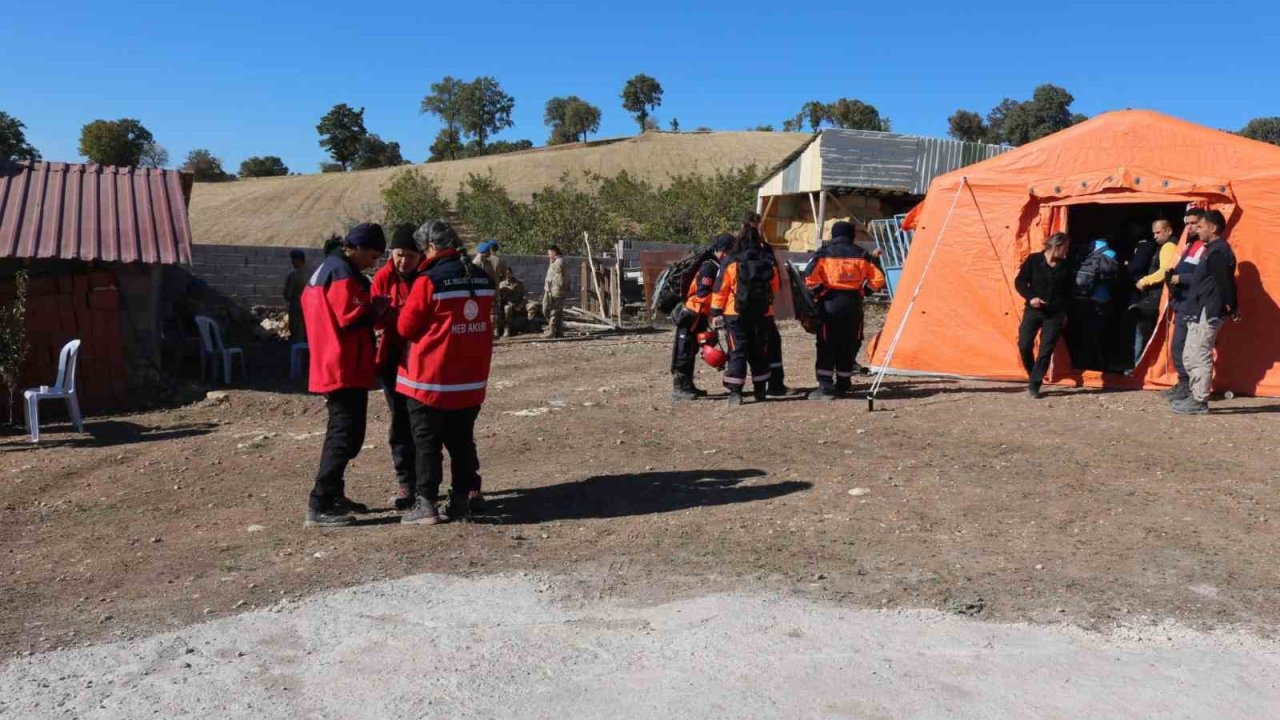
column 64, row 388
column 211, row 346
column 296, row 351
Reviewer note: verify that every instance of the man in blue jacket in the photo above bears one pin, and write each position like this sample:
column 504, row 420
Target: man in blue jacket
column 1210, row 298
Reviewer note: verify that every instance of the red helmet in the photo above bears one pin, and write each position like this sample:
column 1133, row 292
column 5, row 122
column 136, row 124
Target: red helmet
column 708, row 337
column 714, row 356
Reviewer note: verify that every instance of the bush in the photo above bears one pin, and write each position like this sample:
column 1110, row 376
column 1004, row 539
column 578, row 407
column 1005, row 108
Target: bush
column 412, row 197
column 484, row 205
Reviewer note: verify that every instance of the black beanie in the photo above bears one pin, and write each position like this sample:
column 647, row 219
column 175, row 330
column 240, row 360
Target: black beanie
column 722, row 243
column 842, row 229
column 402, row 238
column 367, row 236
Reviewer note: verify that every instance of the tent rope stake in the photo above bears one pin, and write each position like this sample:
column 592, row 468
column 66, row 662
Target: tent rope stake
column 888, row 357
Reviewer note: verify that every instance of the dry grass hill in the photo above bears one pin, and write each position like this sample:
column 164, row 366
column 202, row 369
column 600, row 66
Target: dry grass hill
column 301, row 210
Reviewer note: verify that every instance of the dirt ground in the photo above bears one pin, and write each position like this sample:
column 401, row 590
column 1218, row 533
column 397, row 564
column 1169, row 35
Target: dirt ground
column 1089, row 508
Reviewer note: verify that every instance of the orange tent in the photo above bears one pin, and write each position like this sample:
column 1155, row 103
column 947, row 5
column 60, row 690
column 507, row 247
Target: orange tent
column 978, row 224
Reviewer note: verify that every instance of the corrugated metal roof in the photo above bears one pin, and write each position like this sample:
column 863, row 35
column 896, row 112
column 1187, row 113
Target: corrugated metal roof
column 870, row 160
column 94, row 212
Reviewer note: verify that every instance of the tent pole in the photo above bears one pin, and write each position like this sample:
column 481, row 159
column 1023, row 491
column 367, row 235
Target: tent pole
column 884, row 366
column 822, row 217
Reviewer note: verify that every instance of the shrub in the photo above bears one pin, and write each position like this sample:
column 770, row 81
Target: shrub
column 412, row 197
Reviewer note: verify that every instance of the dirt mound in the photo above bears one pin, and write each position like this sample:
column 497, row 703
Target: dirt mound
column 301, row 210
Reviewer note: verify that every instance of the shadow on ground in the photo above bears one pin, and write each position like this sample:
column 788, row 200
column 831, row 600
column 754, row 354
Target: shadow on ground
column 103, row 433
column 611, row 496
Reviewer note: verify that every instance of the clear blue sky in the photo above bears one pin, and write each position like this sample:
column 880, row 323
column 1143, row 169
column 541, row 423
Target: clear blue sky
column 253, row 78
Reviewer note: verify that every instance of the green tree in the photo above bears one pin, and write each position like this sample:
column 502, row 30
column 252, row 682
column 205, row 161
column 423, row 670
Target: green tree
column 570, row 119
column 331, row 167
column 762, row 128
column 13, row 339
column 967, row 125
column 499, row 147
column 640, row 97
column 341, row 130
column 13, row 141
column 793, row 124
column 1266, row 129
column 413, row 197
column 204, row 166
column 114, row 142
column 674, row 125
column 154, row 156
column 1019, row 122
column 851, row 114
column 486, row 109
column 815, row 113
column 444, row 102
column 263, row 166
column 484, row 205
column 376, row 152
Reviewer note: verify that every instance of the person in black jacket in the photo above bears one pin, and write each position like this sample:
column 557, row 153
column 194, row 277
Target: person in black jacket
column 1045, row 281
column 1210, row 297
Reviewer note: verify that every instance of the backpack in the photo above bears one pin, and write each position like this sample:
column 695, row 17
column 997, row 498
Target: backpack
column 1098, row 269
column 805, row 305
column 671, row 286
column 754, row 295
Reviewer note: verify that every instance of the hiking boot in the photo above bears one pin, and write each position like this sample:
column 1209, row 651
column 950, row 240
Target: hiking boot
column 331, row 517
column 1033, row 391
column 423, row 512
column 1191, row 406
column 759, row 392
column 347, row 505
column 403, row 499
column 458, row 509
column 735, row 397
column 681, row 388
column 777, row 388
column 821, row 395
column 1181, row 391
column 475, row 501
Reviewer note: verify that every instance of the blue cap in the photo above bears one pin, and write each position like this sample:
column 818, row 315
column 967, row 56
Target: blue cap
column 367, row 236
column 483, row 246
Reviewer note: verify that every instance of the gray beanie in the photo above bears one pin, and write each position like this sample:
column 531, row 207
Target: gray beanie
column 438, row 233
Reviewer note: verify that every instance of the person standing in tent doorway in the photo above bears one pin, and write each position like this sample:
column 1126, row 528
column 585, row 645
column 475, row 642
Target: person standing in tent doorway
column 554, row 289
column 742, row 303
column 1179, row 280
column 750, row 236
column 1045, row 282
column 1211, row 297
column 840, row 275
column 1146, row 307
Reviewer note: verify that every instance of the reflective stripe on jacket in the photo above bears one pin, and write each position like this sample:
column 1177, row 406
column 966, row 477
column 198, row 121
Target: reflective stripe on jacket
column 446, row 323
column 339, row 320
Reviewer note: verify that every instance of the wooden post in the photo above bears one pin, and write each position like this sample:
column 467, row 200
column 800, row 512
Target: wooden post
column 595, row 281
column 764, row 216
column 822, row 216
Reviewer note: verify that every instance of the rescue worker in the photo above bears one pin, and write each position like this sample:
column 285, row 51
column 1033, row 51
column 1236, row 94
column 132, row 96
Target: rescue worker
column 840, row 276
column 393, row 281
column 294, row 284
column 340, row 315
column 742, row 303
column 498, row 271
column 1188, row 261
column 1046, row 283
column 554, row 288
column 514, row 305
column 694, row 317
column 445, row 371
column 751, row 236
column 1209, row 300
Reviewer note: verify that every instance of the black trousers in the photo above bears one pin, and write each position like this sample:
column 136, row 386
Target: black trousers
column 838, row 340
column 348, row 417
column 1178, row 344
column 684, row 349
column 1049, row 327
column 748, row 340
column 773, row 352
column 400, row 435
column 435, row 431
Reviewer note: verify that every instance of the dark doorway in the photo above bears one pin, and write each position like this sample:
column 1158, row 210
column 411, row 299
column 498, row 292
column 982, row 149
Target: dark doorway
column 1102, row 330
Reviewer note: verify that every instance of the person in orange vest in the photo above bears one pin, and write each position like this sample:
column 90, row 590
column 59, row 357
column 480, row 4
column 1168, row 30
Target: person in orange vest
column 750, row 235
column 695, row 317
column 840, row 275
column 340, row 314
column 742, row 303
column 445, row 370
column 393, row 281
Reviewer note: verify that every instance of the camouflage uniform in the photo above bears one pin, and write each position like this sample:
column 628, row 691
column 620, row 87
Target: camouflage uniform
column 497, row 271
column 553, row 292
column 511, row 295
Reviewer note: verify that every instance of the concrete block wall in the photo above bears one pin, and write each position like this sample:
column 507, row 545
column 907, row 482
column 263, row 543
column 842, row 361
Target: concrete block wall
column 255, row 275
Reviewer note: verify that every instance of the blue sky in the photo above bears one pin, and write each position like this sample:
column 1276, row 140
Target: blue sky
column 247, row 79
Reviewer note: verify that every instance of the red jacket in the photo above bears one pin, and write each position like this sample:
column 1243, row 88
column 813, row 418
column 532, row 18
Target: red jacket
column 339, row 320
column 446, row 322
column 387, row 282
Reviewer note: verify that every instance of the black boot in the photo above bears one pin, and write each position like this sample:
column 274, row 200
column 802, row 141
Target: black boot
column 776, row 387
column 458, row 509
column 1178, row 392
column 759, row 391
column 682, row 388
column 735, row 397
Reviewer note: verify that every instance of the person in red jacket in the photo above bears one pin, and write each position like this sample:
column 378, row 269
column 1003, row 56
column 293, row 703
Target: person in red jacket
column 340, row 313
column 393, row 281
column 447, row 323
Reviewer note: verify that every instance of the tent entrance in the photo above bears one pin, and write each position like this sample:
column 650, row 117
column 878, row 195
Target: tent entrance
column 1102, row 335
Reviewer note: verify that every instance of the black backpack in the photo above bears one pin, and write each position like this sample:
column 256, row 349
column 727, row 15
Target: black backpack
column 672, row 285
column 754, row 294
